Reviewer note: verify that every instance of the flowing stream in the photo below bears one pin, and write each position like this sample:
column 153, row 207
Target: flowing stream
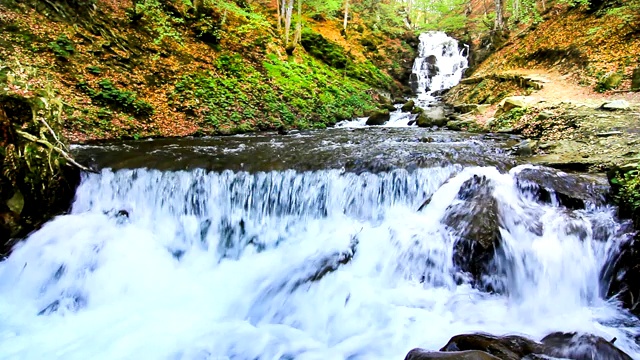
column 304, row 246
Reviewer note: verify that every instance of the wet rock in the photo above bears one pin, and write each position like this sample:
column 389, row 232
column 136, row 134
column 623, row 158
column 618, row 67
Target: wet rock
column 432, row 117
column 475, row 224
column 615, row 105
column 581, row 347
column 408, row 106
column 623, row 274
column 417, row 110
column 526, row 148
column 505, row 348
column 557, row 345
column 379, row 118
column 419, row 354
column 635, row 79
column 570, row 191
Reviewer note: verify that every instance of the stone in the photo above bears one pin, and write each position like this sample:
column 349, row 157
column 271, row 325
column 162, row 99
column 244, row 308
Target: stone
column 475, row 223
column 511, row 103
column 16, row 203
column 432, row 117
column 464, row 108
column 570, row 191
column 615, row 105
column 379, row 118
column 459, row 125
column 526, row 148
column 581, row 347
column 419, row 354
column 544, row 115
column 556, row 345
column 514, row 102
column 408, row 106
column 482, row 109
column 417, row 110
column 635, row 79
column 505, row 347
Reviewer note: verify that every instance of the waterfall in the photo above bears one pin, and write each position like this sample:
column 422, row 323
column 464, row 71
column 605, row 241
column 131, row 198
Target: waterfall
column 299, row 265
column 439, row 66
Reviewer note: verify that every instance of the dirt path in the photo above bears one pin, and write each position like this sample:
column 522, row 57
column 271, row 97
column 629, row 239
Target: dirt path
column 559, row 88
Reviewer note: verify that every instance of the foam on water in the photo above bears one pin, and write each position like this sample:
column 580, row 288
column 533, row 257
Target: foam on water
column 230, row 266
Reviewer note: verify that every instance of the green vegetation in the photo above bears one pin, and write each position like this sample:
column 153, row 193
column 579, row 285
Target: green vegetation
column 301, row 95
column 625, row 186
column 122, row 100
column 63, row 47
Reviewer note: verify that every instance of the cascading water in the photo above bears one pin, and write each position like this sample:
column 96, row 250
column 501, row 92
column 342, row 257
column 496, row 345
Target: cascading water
column 290, row 265
column 440, row 65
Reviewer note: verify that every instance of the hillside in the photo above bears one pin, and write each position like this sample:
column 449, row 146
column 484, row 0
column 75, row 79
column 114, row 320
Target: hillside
column 133, row 69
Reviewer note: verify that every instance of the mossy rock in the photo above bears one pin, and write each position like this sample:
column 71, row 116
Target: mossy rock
column 379, row 118
column 408, row 106
column 609, row 82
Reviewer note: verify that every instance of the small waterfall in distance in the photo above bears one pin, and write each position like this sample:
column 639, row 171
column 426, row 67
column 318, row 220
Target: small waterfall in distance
column 440, row 65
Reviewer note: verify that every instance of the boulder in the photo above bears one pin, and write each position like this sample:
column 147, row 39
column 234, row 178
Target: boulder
column 419, row 354
column 475, row 223
column 635, row 79
column 464, row 108
column 408, row 106
column 379, row 118
column 525, row 148
column 505, row 347
column 570, row 191
column 615, row 105
column 556, row 345
column 581, row 347
column 511, row 103
column 459, row 125
column 432, row 117
column 417, row 110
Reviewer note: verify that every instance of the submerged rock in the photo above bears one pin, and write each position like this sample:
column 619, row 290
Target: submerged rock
column 379, row 118
column 419, row 354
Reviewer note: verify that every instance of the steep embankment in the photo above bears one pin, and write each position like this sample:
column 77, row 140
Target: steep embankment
column 163, row 68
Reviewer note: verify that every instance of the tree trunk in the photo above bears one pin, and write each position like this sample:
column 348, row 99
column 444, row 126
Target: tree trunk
column 346, row 15
column 287, row 21
column 499, row 24
column 299, row 26
column 279, row 14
